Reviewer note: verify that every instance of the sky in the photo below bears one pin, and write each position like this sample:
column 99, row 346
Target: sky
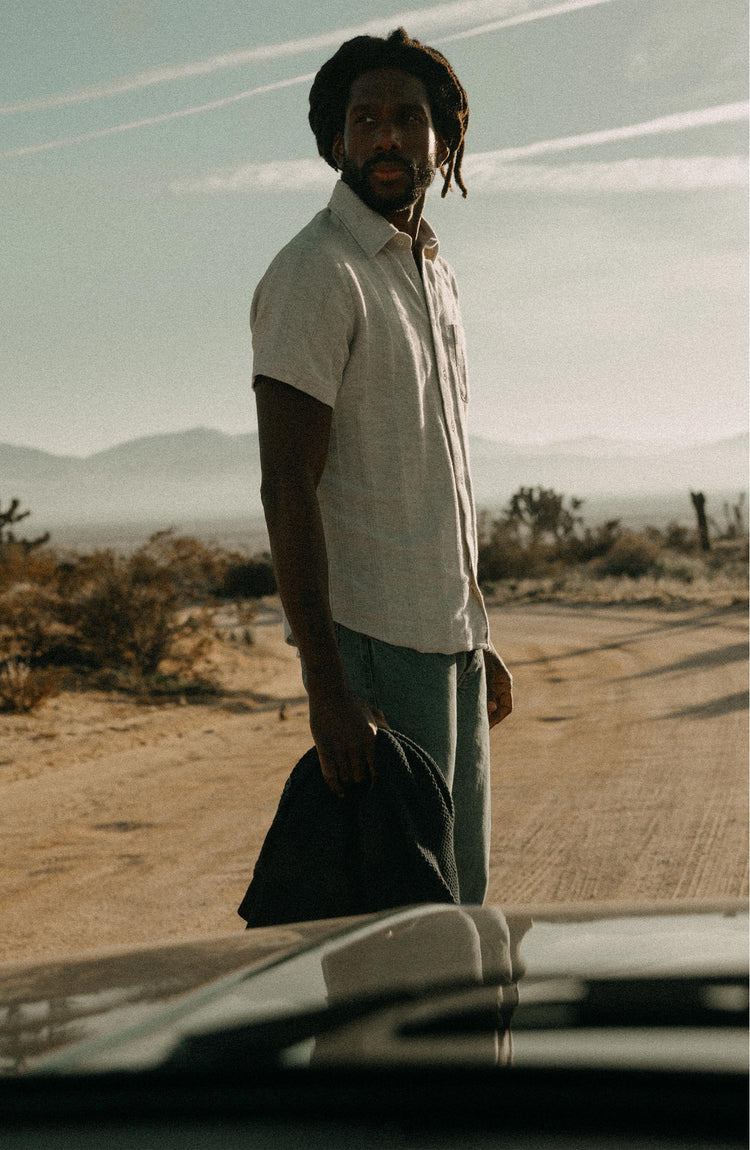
column 155, row 156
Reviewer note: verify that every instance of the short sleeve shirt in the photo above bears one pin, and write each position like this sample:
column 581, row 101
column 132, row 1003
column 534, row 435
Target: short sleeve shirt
column 343, row 315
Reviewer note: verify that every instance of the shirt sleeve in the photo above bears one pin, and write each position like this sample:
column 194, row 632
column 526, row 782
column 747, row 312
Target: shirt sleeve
column 302, row 323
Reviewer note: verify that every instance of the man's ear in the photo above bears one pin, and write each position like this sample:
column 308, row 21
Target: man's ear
column 442, row 151
column 338, row 150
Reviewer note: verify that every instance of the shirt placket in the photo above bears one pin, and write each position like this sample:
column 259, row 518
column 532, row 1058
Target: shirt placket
column 449, row 391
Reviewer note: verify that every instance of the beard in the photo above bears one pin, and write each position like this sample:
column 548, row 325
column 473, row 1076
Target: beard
column 420, row 176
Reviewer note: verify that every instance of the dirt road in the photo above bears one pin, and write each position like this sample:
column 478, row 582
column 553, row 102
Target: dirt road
column 621, row 774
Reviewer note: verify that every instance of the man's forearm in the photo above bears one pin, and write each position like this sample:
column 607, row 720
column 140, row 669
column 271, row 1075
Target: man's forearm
column 295, row 531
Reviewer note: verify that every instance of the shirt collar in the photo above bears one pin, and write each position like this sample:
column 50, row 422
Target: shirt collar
column 371, row 230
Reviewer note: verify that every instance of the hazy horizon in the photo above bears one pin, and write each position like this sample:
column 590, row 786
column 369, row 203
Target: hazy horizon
column 207, row 475
column 248, row 532
column 645, row 444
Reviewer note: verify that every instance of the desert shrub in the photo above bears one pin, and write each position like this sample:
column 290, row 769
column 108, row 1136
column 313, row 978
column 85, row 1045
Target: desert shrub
column 535, row 535
column 681, row 568
column 631, row 554
column 249, row 578
column 18, row 564
column 24, row 688
column 133, row 615
column 125, row 613
column 196, row 570
column 121, row 612
column 29, row 623
column 540, row 535
column 103, row 610
column 592, row 544
column 735, row 519
column 503, row 555
column 729, row 557
column 678, row 537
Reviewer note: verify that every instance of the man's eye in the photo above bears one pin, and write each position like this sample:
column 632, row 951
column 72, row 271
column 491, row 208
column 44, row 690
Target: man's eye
column 363, row 118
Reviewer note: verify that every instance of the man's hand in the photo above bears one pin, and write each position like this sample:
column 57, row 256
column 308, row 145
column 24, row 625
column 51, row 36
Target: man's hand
column 499, row 687
column 343, row 728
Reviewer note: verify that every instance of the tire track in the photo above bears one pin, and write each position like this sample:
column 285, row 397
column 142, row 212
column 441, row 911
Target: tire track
column 619, row 776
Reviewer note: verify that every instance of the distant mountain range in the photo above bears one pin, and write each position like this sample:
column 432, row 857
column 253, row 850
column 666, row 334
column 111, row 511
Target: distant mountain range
column 203, row 474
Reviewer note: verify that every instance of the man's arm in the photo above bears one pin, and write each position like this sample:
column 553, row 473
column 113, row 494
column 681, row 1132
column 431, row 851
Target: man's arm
column 294, row 430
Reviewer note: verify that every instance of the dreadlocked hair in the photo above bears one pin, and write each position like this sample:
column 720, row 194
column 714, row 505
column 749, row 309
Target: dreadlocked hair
column 449, row 105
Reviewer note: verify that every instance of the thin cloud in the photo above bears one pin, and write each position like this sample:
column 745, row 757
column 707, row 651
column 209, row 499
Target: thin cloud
column 421, row 20
column 275, row 176
column 498, row 170
column 488, row 173
column 637, row 174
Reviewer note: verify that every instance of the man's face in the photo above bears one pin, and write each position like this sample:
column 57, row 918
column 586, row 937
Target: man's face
column 388, row 151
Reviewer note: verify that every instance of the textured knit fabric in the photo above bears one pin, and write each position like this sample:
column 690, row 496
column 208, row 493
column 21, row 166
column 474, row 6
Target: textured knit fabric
column 379, row 847
column 343, row 315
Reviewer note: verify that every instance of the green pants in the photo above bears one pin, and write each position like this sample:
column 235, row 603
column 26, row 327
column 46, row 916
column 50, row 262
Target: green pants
column 440, row 702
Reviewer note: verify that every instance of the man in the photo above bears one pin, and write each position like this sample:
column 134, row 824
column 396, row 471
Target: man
column 360, row 381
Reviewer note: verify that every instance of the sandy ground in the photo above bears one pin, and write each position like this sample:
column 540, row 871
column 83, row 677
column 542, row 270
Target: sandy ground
column 622, row 774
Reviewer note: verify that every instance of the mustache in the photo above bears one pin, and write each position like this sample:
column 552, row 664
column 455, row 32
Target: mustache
column 391, row 160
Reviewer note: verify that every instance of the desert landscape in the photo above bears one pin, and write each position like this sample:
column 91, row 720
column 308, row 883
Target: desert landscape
column 622, row 774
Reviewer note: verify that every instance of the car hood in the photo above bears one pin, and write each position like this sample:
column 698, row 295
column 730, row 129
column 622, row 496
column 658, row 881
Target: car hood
column 657, row 984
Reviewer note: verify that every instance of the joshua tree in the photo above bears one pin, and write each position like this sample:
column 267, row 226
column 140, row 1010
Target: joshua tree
column 542, row 511
column 699, row 503
column 10, row 517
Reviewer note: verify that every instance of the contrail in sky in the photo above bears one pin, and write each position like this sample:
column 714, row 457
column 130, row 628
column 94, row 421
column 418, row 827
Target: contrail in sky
column 537, row 14
column 149, row 121
column 678, row 122
column 422, row 20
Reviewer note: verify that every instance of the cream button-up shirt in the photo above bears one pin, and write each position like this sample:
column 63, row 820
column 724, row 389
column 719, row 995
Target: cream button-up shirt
column 343, row 314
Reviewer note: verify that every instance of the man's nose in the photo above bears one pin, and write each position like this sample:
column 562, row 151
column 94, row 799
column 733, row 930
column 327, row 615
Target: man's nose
column 387, row 138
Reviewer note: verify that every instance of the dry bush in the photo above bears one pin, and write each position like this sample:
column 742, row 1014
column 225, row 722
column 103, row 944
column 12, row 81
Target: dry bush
column 609, row 564
column 132, row 621
column 504, row 555
column 631, row 554
column 18, row 564
column 24, row 688
column 593, row 543
column 729, row 556
column 126, row 614
column 676, row 537
column 30, row 627
column 104, row 611
column 196, row 570
column 249, row 578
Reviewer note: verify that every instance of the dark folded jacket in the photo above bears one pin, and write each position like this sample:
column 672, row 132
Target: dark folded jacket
column 377, row 847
